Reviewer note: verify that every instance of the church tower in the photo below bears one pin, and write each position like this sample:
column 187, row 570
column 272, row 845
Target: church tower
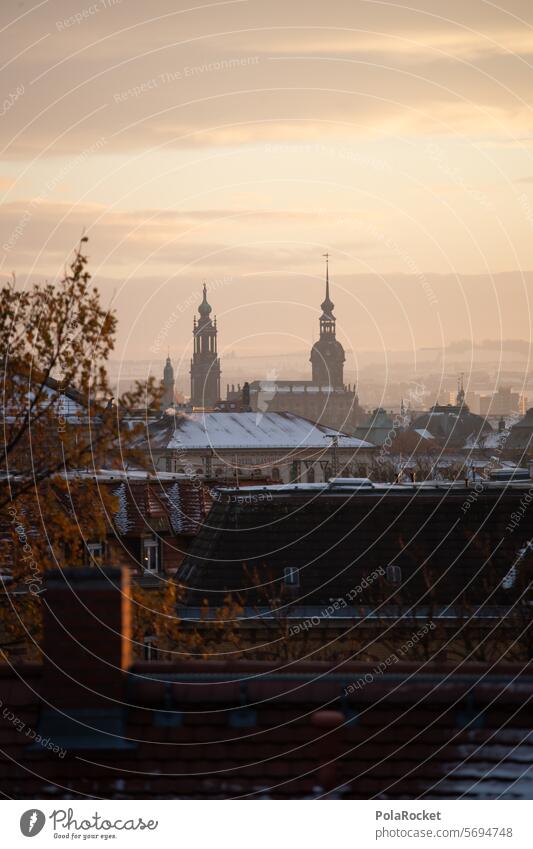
column 168, row 399
column 460, row 397
column 205, row 365
column 327, row 355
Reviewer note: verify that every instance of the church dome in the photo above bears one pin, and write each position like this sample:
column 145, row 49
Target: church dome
column 328, row 347
column 205, row 308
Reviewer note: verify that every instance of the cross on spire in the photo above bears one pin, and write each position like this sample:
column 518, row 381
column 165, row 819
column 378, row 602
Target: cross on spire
column 327, row 274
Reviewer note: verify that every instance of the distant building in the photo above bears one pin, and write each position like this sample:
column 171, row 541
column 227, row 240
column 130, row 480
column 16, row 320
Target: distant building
column 452, row 425
column 327, row 354
column 325, row 398
column 381, row 425
column 168, row 397
column 503, row 402
column 235, row 445
column 521, row 435
column 205, row 364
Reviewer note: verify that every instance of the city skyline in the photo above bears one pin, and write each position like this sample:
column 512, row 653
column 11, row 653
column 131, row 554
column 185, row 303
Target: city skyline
column 238, row 142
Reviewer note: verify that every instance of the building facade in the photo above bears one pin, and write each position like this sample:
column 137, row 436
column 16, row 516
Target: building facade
column 246, row 445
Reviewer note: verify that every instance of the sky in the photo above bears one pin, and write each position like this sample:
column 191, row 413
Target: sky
column 236, row 142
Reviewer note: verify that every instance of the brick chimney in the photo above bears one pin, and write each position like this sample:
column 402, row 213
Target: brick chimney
column 87, row 636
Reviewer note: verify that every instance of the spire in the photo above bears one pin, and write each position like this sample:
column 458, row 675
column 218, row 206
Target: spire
column 460, row 390
column 327, row 304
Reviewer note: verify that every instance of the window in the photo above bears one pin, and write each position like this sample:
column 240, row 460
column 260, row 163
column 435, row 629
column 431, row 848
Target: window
column 256, row 473
column 275, row 474
column 150, row 554
column 310, row 475
column 291, row 577
column 95, row 553
column 151, row 652
column 394, row 575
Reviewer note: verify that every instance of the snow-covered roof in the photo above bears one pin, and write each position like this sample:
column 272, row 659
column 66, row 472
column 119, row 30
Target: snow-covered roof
column 247, row 430
column 424, row 433
column 490, row 440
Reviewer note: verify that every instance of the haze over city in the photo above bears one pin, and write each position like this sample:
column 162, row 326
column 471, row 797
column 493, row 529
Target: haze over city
column 260, row 136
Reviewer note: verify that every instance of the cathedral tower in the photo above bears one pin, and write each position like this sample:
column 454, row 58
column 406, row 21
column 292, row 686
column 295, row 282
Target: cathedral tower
column 168, row 386
column 205, row 365
column 327, row 355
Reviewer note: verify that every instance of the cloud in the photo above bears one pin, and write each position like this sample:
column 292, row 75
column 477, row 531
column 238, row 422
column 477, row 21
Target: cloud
column 236, row 74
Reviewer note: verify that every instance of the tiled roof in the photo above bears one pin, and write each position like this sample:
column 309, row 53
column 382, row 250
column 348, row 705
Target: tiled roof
column 450, row 543
column 213, row 730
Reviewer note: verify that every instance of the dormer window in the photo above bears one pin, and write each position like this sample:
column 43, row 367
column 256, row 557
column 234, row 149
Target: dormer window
column 150, row 554
column 95, row 551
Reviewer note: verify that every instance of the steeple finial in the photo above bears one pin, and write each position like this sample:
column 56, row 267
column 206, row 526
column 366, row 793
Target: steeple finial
column 205, row 308
column 327, row 304
column 327, row 275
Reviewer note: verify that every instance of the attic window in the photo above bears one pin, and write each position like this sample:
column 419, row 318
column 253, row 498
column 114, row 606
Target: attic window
column 291, row 577
column 151, row 652
column 150, row 554
column 394, row 574
column 95, row 552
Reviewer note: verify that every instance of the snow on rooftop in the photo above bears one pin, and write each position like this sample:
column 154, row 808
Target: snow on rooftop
column 254, row 430
column 424, row 433
column 489, row 440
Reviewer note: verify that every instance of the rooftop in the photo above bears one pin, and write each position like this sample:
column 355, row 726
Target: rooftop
column 217, row 431
column 88, row 724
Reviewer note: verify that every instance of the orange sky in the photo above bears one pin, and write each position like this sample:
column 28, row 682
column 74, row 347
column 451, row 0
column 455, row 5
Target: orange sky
column 237, row 141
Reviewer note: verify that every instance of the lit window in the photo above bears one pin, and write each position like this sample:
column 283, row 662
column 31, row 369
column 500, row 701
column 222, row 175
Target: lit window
column 291, row 577
column 150, row 554
column 394, row 575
